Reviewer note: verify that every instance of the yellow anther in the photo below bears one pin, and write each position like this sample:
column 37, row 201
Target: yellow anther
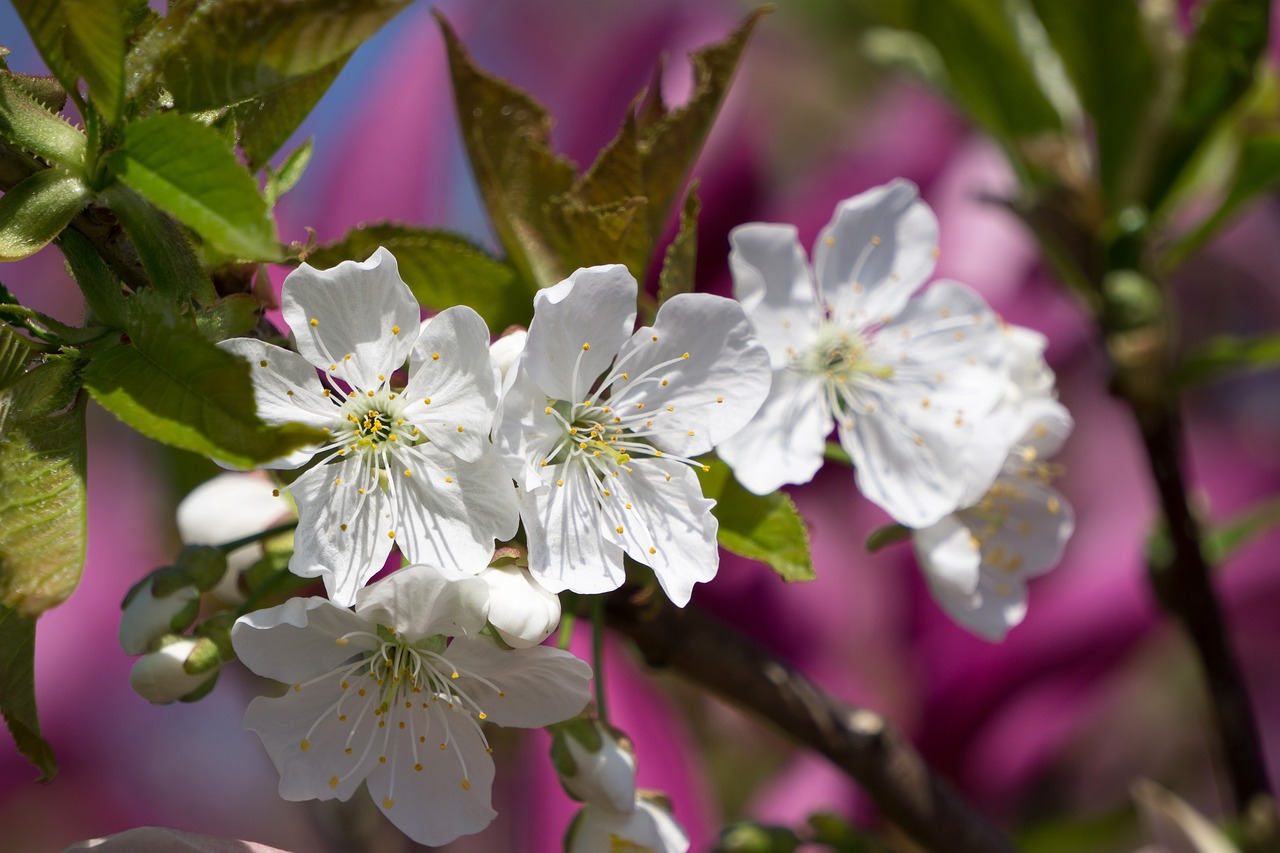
column 619, row 528
column 664, row 383
column 459, row 429
column 326, row 392
column 626, row 376
column 314, row 322
column 275, row 493
column 875, row 241
column 653, row 550
column 559, row 482
column 924, row 404
column 628, row 506
column 347, row 751
column 342, row 641
column 395, row 330
column 655, row 339
column 333, row 367
column 686, row 355
column 453, row 675
column 1053, row 505
column 290, row 393
column 342, row 527
column 338, row 481
column 387, row 802
column 586, row 347
column 391, row 534
column 435, row 356
column 370, row 393
column 466, row 786
column 408, row 473
column 333, row 781
column 483, row 715
column 305, row 745
column 605, row 493
column 448, row 479
column 262, row 363
column 719, row 399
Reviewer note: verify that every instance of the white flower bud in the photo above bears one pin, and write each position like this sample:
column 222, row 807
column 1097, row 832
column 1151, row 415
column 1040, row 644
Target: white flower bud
column 648, row 827
column 226, row 508
column 523, row 613
column 606, row 777
column 162, row 676
column 505, row 350
column 147, row 617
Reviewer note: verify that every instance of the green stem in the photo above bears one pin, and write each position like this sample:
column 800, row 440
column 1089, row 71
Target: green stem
column 35, row 323
column 597, row 653
column 566, row 631
column 278, row 582
column 835, row 453
column 228, row 547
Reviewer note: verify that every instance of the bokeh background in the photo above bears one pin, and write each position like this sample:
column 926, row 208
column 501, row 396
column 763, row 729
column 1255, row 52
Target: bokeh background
column 1044, row 732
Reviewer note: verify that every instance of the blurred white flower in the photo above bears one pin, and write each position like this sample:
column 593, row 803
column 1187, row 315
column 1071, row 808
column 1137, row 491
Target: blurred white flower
column 228, row 507
column 181, row 669
column 649, row 827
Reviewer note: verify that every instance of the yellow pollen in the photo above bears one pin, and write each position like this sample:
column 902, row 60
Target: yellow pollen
column 333, row 367
column 347, row 357
column 314, row 322
column 459, row 429
column 327, row 392
column 338, row 482
column 453, row 675
column 686, row 355
column 345, row 685
column 342, row 718
column 448, row 479
column 275, row 493
column 664, row 383
column 619, row 528
column 655, row 339
column 360, row 692
column 605, row 493
column 387, row 802
column 417, row 768
column 559, row 482
column 347, row 751
column 690, row 432
column 628, row 506
column 290, row 393
column 370, row 393
column 402, row 724
column 305, row 745
column 719, row 399
column 466, row 786
column 362, row 491
column 548, row 410
column 671, row 408
column 342, row 527
column 391, row 437
column 483, row 715
column 408, row 473
column 653, row 550
column 342, row 641
column 924, row 404
column 442, row 746
column 586, row 347
column 1053, row 505
column 333, row 781
column 626, row 376
column 262, row 363
column 395, row 330
column 435, row 356
column 875, row 241
column 639, row 406
column 382, row 724
column 297, row 687
column 501, row 695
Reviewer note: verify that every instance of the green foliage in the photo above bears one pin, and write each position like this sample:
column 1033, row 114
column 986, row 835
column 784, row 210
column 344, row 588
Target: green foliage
column 18, row 690
column 46, row 23
column 287, row 176
column 1222, row 540
column 15, row 354
column 94, row 44
column 166, row 255
column 238, row 49
column 231, row 316
column 551, row 220
column 105, row 301
column 167, row 381
column 36, row 210
column 42, row 490
column 1218, row 68
column 28, row 122
column 441, row 269
column 188, row 170
column 883, row 537
column 680, row 261
column 264, row 124
column 1229, row 354
column 769, row 528
column 1104, row 49
column 1257, row 171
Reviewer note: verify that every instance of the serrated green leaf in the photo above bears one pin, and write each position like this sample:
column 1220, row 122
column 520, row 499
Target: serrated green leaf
column 441, row 269
column 36, row 210
column 507, row 135
column 102, row 294
column 15, row 354
column 45, row 91
column 1103, row 46
column 290, row 172
column 95, row 45
column 29, row 124
column 767, row 528
column 230, row 317
column 680, row 261
column 238, row 49
column 42, row 490
column 188, row 170
column 167, row 381
column 166, row 255
column 46, row 23
column 1229, row 354
column 1218, row 68
column 266, row 123
column 18, row 690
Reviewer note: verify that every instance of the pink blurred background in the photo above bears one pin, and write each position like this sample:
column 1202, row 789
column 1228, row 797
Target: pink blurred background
column 1092, row 690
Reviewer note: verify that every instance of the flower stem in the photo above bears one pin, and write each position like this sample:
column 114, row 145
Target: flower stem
column 566, row 631
column 228, row 547
column 597, row 653
column 835, row 453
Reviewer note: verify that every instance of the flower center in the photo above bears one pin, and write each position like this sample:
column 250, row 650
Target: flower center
column 838, row 357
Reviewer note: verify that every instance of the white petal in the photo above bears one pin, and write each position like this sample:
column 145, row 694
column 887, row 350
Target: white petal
column 699, row 373
column 1029, row 374
column 1045, row 425
column 286, row 390
column 523, row 613
column 297, row 640
column 450, row 366
column 146, row 618
column 525, row 433
column 647, row 828
column 786, row 441
column 877, row 250
column 228, row 507
column 578, row 327
column 772, row 280
column 541, row 685
column 357, row 309
column 312, row 714
column 996, row 607
column 658, row 515
column 563, row 525
column 419, row 601
column 506, row 350
column 948, row 555
column 159, row 676
column 606, row 777
column 431, row 805
column 1034, row 524
column 343, row 535
column 450, row 512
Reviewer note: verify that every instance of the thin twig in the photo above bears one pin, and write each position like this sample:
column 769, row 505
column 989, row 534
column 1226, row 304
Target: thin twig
column 861, row 743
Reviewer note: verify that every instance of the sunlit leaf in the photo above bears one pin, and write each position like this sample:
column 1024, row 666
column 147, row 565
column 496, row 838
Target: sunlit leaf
column 170, row 383
column 188, row 170
column 441, row 269
column 266, row 123
column 46, row 23
column 680, row 261
column 42, row 488
column 36, row 210
column 18, row 690
column 166, row 254
column 769, row 528
column 95, row 46
column 290, row 172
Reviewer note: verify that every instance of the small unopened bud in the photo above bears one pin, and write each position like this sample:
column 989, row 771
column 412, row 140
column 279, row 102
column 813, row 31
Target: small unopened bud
column 523, row 613
column 649, row 826
column 148, row 615
column 596, row 764
column 181, row 669
column 202, row 565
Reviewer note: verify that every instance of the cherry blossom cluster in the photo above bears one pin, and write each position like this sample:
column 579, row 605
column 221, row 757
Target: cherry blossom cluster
column 948, row 414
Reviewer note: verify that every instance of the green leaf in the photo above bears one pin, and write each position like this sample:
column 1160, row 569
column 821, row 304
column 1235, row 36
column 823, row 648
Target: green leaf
column 102, row 294
column 18, row 690
column 987, row 73
column 1103, row 46
column 1218, row 68
column 769, row 528
column 163, row 248
column 1228, row 354
column 188, row 170
column 678, row 265
column 883, row 537
column 230, row 317
column 290, row 172
column 42, row 490
column 95, row 44
column 36, row 210
column 238, row 49
column 441, row 269
column 507, row 135
column 167, row 381
column 1224, row 539
column 45, row 91
column 15, row 354
column 47, row 25
column 1257, row 171
column 266, row 123
column 28, row 123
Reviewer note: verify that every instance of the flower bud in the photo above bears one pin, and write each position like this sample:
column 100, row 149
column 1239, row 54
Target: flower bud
column 596, row 764
column 202, row 565
column 181, row 669
column 523, row 613
column 649, row 826
column 148, row 615
column 226, row 508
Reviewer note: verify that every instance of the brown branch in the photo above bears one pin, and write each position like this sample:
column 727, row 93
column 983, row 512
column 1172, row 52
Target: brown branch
column 861, row 743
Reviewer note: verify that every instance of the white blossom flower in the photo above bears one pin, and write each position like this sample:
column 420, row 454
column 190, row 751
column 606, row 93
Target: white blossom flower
column 977, row 560
column 905, row 379
column 596, row 764
column 409, row 466
column 600, row 424
column 649, row 827
column 384, row 695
